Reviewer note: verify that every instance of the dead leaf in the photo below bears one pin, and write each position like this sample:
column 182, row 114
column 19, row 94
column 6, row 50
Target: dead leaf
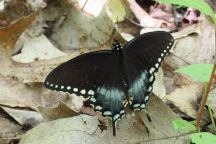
column 61, row 111
column 78, row 129
column 158, row 85
column 35, row 49
column 18, row 94
column 187, row 98
column 9, row 131
column 194, row 48
column 85, row 129
column 22, row 116
column 80, row 31
column 145, row 19
column 10, row 34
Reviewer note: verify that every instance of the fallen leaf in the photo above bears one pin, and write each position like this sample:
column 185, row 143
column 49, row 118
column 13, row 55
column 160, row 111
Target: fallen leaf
column 10, row 34
column 85, row 129
column 78, row 129
column 187, row 98
column 61, row 111
column 117, row 10
column 80, row 31
column 22, row 116
column 15, row 94
column 9, row 131
column 35, row 49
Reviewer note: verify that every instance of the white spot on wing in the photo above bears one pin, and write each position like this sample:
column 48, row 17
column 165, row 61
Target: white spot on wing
column 117, row 116
column 98, row 107
column 56, row 86
column 68, row 87
column 162, row 54
column 156, row 65
column 75, row 89
column 62, row 87
column 47, row 83
column 146, row 98
column 150, row 88
column 107, row 113
column 91, row 92
column 83, row 91
column 170, row 43
column 51, row 85
column 122, row 111
column 151, row 78
column 93, row 99
column 165, row 51
column 151, row 70
column 136, row 105
column 159, row 59
column 142, row 106
column 167, row 47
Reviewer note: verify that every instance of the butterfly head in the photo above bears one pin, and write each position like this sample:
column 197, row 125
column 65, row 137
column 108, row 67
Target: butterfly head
column 116, row 45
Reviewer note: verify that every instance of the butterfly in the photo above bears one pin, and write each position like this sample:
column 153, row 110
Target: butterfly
column 111, row 79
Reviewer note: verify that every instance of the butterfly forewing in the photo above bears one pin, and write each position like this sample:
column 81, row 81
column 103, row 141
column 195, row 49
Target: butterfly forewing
column 149, row 49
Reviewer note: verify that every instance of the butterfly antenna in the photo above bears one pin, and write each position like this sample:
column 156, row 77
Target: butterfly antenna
column 114, row 128
column 148, row 117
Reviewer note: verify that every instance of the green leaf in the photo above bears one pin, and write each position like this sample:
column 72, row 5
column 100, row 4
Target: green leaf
column 197, row 4
column 193, row 122
column 203, row 138
column 183, row 125
column 200, row 72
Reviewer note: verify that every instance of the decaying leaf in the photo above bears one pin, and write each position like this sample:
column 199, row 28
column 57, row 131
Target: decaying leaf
column 80, row 31
column 10, row 34
column 78, row 129
column 23, row 116
column 130, row 129
column 9, row 131
column 187, row 98
column 35, row 49
column 61, row 111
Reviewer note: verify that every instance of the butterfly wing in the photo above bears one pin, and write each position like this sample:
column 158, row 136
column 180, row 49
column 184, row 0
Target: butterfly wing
column 95, row 75
column 143, row 56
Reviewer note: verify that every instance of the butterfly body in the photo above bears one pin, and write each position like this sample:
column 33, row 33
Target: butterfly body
column 113, row 78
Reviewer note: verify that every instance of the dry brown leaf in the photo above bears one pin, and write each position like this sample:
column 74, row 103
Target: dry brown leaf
column 158, row 86
column 23, row 116
column 187, row 98
column 131, row 129
column 145, row 19
column 61, row 111
column 14, row 93
column 10, row 34
column 80, row 31
column 9, row 131
column 194, row 48
column 35, row 49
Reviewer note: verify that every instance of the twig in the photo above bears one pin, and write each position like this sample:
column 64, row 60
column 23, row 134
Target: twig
column 132, row 21
column 205, row 98
column 164, row 138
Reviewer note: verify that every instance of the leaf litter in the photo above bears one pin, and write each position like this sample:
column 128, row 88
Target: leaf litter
column 21, row 81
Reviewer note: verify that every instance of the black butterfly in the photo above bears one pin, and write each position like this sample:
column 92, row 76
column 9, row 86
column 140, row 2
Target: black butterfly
column 112, row 78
